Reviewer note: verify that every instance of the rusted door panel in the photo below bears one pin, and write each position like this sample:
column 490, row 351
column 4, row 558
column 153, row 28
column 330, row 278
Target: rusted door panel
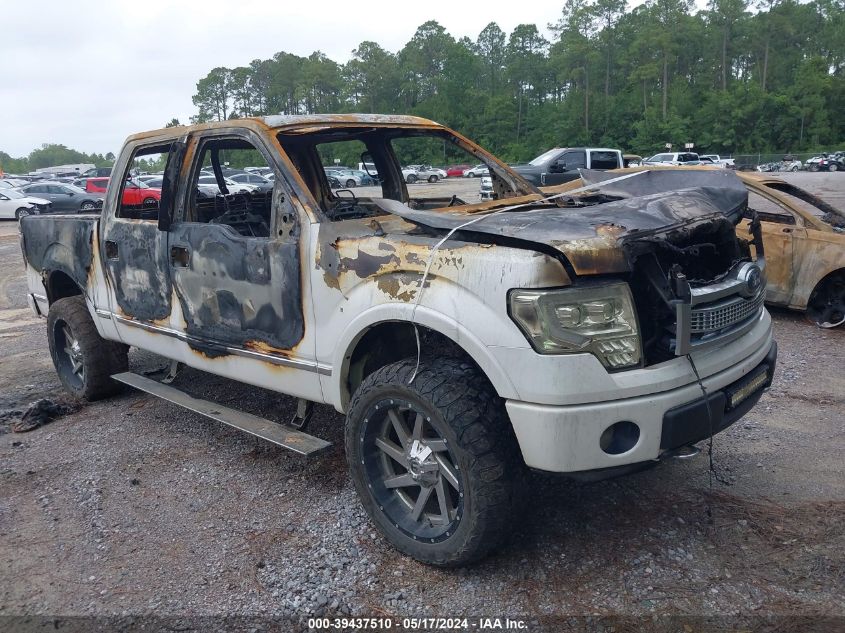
column 779, row 242
column 236, row 291
column 135, row 256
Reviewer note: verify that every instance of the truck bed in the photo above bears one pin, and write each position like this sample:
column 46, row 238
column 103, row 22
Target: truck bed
column 60, row 243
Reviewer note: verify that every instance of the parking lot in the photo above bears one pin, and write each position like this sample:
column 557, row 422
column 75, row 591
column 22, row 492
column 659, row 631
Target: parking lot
column 131, row 506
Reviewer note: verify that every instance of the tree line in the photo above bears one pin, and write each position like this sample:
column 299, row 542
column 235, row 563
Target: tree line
column 733, row 78
column 50, row 155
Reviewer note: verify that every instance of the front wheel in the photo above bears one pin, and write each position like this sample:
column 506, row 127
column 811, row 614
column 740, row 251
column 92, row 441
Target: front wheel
column 833, row 167
column 814, row 167
column 350, row 184
column 435, row 462
column 88, row 206
column 22, row 213
column 84, row 361
column 411, row 179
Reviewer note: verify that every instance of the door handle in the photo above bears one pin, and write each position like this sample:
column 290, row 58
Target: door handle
column 111, row 250
column 180, row 256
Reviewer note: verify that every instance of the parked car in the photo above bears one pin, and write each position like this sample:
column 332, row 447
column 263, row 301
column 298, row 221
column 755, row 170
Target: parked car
column 15, row 205
column 135, row 192
column 826, row 162
column 477, row 172
column 541, row 337
column 632, row 160
column 676, row 159
column 350, row 178
column 486, row 188
column 562, row 164
column 717, row 160
column 346, row 177
column 231, row 185
column 425, row 173
column 804, row 242
column 260, row 182
column 97, row 172
column 153, row 180
column 64, row 197
column 456, row 171
column 12, row 183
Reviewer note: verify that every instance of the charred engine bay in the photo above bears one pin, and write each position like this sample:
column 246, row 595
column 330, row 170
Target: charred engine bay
column 650, row 229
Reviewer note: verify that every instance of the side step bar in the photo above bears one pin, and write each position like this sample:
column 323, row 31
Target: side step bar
column 297, row 441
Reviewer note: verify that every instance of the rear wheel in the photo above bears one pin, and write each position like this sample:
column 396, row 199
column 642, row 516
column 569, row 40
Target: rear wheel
column 84, row 360
column 435, row 463
column 826, row 307
column 432, row 178
column 814, row 167
column 833, row 167
column 350, row 184
column 88, row 206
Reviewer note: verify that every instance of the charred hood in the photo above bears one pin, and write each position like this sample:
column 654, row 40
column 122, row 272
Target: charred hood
column 682, row 215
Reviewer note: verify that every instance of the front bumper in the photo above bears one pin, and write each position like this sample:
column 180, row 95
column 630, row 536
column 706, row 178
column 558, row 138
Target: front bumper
column 568, row 438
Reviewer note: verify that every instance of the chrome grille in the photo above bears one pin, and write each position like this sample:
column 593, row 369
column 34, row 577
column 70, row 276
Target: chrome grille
column 724, row 314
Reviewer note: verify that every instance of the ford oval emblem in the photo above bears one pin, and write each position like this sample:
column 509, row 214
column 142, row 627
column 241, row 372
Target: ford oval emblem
column 753, row 280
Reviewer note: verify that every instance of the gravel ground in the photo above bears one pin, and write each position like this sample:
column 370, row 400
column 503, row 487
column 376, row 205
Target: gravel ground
column 131, row 507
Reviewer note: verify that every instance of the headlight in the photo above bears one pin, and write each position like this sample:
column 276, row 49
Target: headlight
column 599, row 320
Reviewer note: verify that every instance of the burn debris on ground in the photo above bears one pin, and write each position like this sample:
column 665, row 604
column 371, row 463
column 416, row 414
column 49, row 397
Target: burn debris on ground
column 37, row 414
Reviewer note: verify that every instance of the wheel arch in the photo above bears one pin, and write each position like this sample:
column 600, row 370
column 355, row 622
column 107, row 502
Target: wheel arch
column 59, row 285
column 368, row 346
column 801, row 297
column 838, row 272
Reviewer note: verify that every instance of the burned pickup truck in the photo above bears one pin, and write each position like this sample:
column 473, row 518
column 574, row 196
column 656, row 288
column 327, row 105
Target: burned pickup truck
column 591, row 332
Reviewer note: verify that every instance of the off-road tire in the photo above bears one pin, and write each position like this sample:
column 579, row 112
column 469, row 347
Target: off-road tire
column 464, row 410
column 99, row 358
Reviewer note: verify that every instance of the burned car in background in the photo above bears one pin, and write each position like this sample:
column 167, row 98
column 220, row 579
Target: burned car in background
column 589, row 333
column 804, row 240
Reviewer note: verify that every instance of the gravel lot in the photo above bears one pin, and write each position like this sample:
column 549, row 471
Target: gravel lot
column 131, row 506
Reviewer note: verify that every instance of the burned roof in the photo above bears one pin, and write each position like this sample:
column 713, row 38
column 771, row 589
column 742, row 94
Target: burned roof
column 293, row 121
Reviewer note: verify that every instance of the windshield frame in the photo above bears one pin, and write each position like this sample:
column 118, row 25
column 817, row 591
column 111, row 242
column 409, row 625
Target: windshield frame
column 522, row 190
column 546, row 156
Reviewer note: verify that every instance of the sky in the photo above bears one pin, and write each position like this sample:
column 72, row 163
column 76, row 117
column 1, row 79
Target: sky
column 87, row 74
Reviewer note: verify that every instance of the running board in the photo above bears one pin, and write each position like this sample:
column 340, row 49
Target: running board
column 297, row 441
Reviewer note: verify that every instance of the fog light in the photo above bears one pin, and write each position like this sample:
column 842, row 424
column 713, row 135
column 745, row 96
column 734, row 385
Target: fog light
column 619, row 438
